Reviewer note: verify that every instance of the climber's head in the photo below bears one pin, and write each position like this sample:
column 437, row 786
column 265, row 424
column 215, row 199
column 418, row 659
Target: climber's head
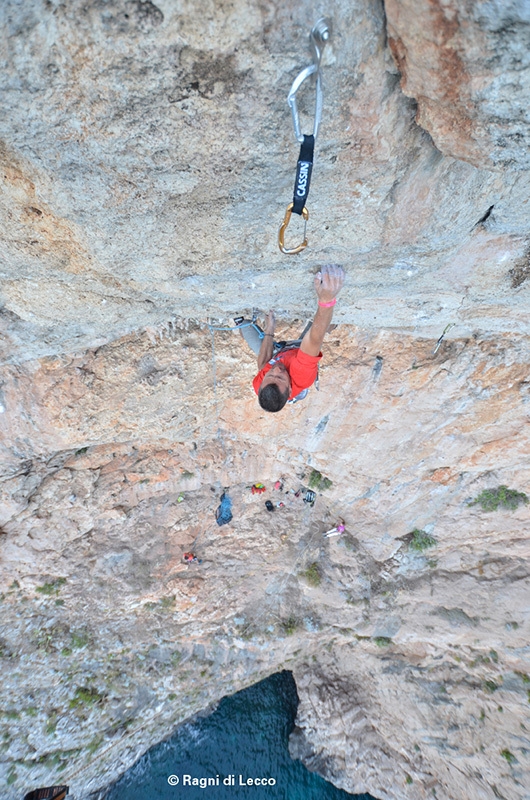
column 275, row 388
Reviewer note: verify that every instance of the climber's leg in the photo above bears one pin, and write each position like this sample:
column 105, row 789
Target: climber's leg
column 251, row 333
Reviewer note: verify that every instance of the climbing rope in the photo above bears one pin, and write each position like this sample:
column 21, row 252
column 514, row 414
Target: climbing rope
column 233, row 327
column 320, row 34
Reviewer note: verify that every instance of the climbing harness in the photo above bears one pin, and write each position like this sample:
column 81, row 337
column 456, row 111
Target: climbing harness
column 278, row 348
column 320, row 34
column 276, row 357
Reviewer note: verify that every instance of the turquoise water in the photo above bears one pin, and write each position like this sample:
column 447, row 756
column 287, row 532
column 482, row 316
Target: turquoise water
column 246, row 735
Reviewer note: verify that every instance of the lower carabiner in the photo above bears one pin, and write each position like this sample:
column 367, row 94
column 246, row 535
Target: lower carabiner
column 283, row 227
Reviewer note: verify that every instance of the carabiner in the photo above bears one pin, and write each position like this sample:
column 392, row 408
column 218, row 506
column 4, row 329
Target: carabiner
column 283, row 227
column 320, row 34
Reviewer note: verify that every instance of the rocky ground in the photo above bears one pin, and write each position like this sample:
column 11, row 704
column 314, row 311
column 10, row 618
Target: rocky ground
column 126, row 639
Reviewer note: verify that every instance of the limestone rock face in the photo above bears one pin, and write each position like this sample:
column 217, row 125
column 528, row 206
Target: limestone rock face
column 147, row 156
column 457, row 60
column 411, row 664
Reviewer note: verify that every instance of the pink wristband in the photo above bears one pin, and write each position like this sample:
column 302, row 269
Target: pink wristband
column 328, row 305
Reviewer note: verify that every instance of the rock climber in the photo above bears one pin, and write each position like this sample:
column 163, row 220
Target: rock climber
column 288, row 369
column 191, row 558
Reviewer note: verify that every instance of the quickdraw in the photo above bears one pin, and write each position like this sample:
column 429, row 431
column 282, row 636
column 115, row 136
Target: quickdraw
column 320, row 35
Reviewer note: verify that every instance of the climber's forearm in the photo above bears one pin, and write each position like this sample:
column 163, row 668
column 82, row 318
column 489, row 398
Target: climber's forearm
column 314, row 338
column 265, row 351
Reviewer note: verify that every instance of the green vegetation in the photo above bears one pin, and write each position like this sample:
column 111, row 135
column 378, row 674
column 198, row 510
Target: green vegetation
column 58, row 760
column 490, row 686
column 52, row 725
column 479, row 660
column 525, row 679
column 176, row 658
column 501, row 497
column 51, row 588
column 421, row 541
column 247, row 632
column 408, row 779
column 85, row 696
column 12, row 776
column 79, row 639
column 168, row 601
column 11, row 714
column 164, row 604
column 81, row 451
column 494, row 656
column 382, row 641
column 289, row 626
column 95, row 744
column 172, row 696
column 186, row 475
column 312, row 574
column 318, row 482
column 510, row 758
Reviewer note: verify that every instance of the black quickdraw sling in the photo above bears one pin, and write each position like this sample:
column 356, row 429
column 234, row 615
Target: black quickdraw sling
column 320, row 34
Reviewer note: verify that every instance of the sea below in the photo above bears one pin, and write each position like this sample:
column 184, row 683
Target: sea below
column 243, row 740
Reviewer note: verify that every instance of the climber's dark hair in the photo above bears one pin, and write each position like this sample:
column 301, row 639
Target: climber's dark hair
column 271, row 399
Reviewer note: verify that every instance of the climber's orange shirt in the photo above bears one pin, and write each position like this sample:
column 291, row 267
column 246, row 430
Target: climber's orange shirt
column 302, row 370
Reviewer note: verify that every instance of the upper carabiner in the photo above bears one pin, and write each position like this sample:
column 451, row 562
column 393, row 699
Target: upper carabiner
column 319, row 36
